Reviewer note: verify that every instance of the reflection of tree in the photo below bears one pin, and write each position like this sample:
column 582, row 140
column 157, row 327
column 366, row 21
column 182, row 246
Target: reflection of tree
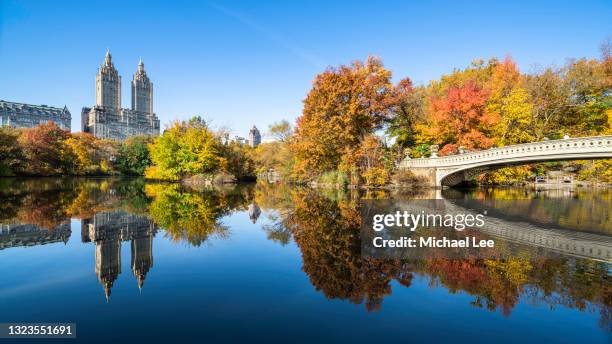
column 48, row 202
column 44, row 203
column 277, row 231
column 327, row 233
column 493, row 282
column 327, row 230
column 188, row 216
column 194, row 216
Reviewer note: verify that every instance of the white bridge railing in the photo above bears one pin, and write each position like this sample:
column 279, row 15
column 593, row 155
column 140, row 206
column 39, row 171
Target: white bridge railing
column 570, row 146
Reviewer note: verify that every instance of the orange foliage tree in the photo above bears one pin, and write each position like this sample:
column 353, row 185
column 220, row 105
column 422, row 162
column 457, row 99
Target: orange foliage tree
column 344, row 105
column 46, row 151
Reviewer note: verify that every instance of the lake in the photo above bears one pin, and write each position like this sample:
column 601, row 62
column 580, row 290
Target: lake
column 131, row 261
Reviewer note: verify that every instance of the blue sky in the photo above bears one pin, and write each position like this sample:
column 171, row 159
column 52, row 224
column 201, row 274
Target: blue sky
column 241, row 63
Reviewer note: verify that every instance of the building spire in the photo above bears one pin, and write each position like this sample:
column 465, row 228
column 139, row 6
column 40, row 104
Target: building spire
column 107, row 58
column 140, row 65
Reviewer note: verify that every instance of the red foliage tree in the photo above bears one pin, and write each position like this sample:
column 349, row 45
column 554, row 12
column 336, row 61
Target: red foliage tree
column 460, row 118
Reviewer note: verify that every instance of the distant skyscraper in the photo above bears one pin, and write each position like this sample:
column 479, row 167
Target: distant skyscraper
column 107, row 120
column 142, row 91
column 254, row 137
column 18, row 115
column 108, row 85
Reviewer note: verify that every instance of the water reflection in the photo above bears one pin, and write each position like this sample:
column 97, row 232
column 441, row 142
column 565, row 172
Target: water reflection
column 107, row 230
column 325, row 226
column 16, row 235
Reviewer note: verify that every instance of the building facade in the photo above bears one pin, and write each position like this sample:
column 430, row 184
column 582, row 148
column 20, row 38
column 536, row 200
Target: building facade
column 107, row 120
column 19, row 115
column 254, row 137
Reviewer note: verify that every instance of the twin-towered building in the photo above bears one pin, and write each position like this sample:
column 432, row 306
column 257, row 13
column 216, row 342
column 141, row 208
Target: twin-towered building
column 107, row 120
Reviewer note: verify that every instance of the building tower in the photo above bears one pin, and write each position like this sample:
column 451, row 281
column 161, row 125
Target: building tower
column 108, row 85
column 254, row 137
column 142, row 91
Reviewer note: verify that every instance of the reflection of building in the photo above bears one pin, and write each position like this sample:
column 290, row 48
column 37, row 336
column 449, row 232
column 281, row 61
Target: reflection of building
column 107, row 119
column 254, row 212
column 107, row 230
column 108, row 263
column 17, row 235
column 20, row 115
column 254, row 137
column 142, row 256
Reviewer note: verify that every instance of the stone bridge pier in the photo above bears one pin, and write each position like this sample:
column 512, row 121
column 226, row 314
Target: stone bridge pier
column 453, row 169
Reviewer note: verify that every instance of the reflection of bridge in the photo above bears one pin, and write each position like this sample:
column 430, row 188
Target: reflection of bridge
column 453, row 169
column 564, row 241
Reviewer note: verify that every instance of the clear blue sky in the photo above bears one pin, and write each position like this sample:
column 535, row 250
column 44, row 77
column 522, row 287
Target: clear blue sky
column 252, row 62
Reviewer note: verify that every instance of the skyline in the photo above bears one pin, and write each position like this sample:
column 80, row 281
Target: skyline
column 249, row 63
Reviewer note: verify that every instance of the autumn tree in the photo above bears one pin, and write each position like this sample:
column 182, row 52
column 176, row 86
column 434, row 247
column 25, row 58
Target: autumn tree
column 93, row 155
column 276, row 156
column 370, row 161
column 548, row 96
column 344, row 105
column 591, row 98
column 460, row 118
column 509, row 102
column 236, row 159
column 46, row 150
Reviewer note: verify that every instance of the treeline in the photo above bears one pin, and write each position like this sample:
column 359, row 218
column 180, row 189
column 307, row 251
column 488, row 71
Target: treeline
column 48, row 150
column 185, row 149
column 357, row 124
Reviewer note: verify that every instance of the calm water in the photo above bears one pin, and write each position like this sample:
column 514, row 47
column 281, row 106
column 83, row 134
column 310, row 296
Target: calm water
column 134, row 262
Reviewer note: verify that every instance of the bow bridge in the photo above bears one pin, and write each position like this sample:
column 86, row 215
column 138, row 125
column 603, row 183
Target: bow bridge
column 453, row 169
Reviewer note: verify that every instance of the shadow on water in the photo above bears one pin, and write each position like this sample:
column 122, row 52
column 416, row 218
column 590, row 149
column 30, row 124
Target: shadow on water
column 325, row 225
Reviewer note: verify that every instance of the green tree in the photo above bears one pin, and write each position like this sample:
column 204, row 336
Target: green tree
column 133, row 157
column 184, row 149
